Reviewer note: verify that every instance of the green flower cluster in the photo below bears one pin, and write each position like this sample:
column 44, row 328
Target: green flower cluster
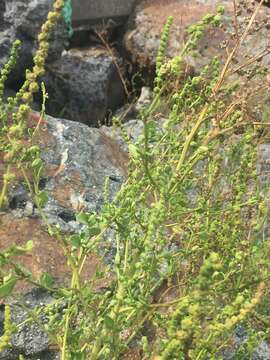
column 14, row 118
column 197, row 30
column 8, row 329
column 31, row 85
column 163, row 43
column 5, row 73
column 185, row 324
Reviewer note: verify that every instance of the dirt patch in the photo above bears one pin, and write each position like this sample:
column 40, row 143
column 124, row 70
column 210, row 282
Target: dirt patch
column 47, row 254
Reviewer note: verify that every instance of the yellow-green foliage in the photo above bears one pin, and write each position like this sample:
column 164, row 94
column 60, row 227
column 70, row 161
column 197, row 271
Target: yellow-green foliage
column 8, row 329
column 189, row 260
column 14, row 118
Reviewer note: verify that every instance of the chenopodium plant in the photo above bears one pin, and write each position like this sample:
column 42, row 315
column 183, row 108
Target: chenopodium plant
column 17, row 139
column 14, row 113
column 186, row 223
column 21, row 154
column 188, row 218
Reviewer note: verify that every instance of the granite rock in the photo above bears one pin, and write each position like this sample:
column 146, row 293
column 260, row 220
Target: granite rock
column 84, row 85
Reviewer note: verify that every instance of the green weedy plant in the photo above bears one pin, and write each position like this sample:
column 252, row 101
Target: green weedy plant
column 211, row 243
column 189, row 262
column 14, row 135
column 15, row 113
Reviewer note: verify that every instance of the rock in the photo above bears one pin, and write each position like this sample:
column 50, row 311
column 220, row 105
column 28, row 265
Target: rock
column 133, row 128
column 145, row 26
column 114, row 11
column 263, row 166
column 77, row 160
column 131, row 111
column 143, row 37
column 22, row 20
column 30, row 341
column 262, row 351
column 129, row 115
column 80, row 158
column 144, row 99
column 83, row 85
column 19, row 197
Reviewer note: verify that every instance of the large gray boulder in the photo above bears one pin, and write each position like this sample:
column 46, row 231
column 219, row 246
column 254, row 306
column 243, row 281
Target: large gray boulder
column 77, row 160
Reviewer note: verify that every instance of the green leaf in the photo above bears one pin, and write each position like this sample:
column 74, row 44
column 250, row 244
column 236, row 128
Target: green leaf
column 92, row 219
column 20, row 250
column 37, row 163
column 109, row 323
column 151, row 128
column 42, row 198
column 7, row 287
column 29, row 245
column 75, row 241
column 82, row 218
column 93, row 231
column 21, row 271
column 46, row 280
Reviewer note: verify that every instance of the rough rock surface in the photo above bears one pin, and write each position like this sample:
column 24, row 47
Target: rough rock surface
column 83, row 85
column 22, row 20
column 77, row 161
column 145, row 26
column 83, row 157
column 30, row 341
column 262, row 352
column 150, row 16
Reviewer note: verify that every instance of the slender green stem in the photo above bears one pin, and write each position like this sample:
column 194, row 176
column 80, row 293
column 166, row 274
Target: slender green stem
column 5, row 187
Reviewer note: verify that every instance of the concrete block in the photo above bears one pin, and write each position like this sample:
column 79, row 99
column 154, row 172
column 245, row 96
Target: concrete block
column 94, row 11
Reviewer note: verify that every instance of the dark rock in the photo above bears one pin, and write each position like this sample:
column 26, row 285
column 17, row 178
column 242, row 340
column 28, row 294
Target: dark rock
column 83, row 85
column 42, row 183
column 18, row 197
column 22, row 20
column 67, row 215
column 29, row 341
